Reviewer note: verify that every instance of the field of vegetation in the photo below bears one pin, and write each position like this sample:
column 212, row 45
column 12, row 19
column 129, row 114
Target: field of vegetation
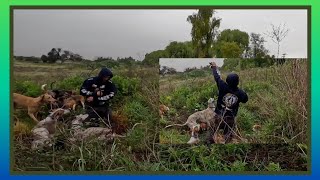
column 278, row 91
column 136, row 103
column 277, row 102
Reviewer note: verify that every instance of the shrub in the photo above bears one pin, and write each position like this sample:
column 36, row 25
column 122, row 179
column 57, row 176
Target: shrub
column 254, row 86
column 273, row 167
column 125, row 85
column 197, row 73
column 238, row 166
column 137, row 112
column 71, row 83
column 27, row 88
column 246, row 119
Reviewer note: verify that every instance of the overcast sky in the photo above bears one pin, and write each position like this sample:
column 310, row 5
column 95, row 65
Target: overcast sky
column 123, row 33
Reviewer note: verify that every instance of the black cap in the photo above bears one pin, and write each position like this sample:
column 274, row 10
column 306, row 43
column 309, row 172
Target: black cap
column 233, row 80
column 104, row 73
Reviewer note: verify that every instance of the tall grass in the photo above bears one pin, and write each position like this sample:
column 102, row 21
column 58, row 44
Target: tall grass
column 277, row 101
column 136, row 107
column 279, row 97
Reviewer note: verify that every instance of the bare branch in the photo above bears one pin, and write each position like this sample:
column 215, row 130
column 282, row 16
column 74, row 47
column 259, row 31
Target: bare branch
column 277, row 34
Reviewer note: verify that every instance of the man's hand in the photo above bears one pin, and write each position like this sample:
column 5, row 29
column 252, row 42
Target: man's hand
column 99, row 93
column 213, row 64
column 90, row 99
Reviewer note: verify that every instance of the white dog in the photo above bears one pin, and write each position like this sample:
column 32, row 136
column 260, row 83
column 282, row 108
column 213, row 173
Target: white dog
column 100, row 133
column 199, row 120
column 45, row 129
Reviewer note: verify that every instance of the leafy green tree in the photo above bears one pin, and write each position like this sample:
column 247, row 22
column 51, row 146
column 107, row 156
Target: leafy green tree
column 76, row 57
column 128, row 61
column 258, row 52
column 256, row 56
column 257, row 46
column 53, row 55
column 180, row 50
column 167, row 70
column 66, row 55
column 230, row 64
column 44, row 58
column 230, row 50
column 153, row 57
column 240, row 38
column 204, row 31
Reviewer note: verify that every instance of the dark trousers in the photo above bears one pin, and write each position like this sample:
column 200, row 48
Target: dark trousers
column 227, row 124
column 95, row 113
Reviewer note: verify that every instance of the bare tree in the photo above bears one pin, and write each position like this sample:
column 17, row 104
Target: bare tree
column 277, row 34
column 140, row 56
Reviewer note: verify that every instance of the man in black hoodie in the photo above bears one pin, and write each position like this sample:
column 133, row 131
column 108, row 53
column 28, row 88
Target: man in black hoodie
column 98, row 91
column 228, row 102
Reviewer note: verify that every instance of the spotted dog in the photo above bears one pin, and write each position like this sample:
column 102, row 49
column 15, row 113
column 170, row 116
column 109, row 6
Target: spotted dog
column 45, row 129
column 80, row 133
column 199, row 120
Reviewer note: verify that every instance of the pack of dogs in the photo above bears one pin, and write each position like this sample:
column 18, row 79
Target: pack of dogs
column 61, row 102
column 44, row 131
column 55, row 98
column 65, row 98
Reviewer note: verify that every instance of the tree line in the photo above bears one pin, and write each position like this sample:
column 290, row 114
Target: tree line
column 206, row 42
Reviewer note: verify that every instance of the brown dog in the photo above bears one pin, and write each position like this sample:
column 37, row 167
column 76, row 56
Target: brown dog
column 72, row 102
column 32, row 104
column 256, row 127
column 56, row 93
column 162, row 110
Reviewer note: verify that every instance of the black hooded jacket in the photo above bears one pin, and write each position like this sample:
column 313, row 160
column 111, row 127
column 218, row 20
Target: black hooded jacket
column 91, row 85
column 230, row 95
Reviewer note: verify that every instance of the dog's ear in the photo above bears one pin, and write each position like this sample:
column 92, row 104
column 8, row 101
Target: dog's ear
column 42, row 97
column 51, row 85
column 43, row 87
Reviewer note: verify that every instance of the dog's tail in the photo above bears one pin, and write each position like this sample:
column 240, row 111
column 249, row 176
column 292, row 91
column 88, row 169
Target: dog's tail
column 51, row 85
column 176, row 125
column 43, row 87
